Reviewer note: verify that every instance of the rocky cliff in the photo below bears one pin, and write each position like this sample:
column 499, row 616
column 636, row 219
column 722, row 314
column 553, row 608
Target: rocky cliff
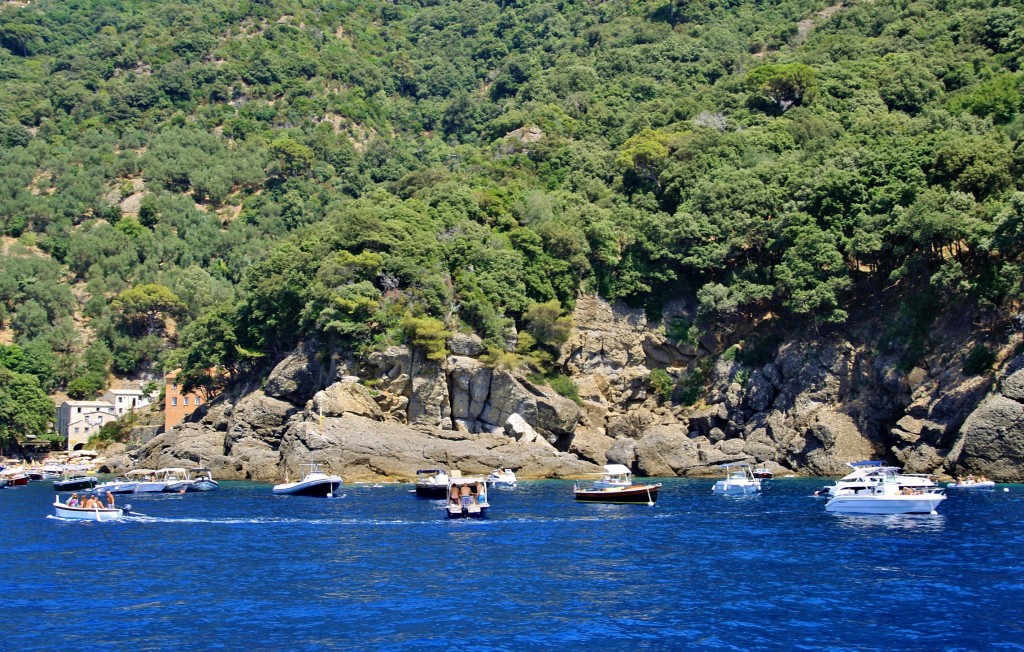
column 816, row 403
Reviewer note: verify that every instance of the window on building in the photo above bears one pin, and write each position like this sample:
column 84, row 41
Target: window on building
column 174, row 401
column 186, row 400
column 198, row 401
column 76, row 430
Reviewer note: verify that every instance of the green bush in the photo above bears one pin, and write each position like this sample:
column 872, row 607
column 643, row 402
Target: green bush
column 566, row 387
column 662, row 383
column 979, row 360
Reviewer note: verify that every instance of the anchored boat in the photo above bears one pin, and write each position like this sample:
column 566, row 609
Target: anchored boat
column 616, row 486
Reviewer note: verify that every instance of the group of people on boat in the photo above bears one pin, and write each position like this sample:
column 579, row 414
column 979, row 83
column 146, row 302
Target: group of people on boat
column 972, row 479
column 467, row 494
column 91, row 502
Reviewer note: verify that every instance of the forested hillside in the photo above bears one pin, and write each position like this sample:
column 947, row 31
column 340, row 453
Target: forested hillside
column 202, row 184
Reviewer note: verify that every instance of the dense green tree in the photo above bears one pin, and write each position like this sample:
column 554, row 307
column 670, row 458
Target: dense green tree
column 25, row 409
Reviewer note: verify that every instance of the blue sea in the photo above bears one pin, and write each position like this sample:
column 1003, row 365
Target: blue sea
column 379, row 569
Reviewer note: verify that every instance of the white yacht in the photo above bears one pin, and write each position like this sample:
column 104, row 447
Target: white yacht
column 314, row 482
column 886, row 497
column 739, row 480
column 433, row 483
column 146, row 481
column 868, row 473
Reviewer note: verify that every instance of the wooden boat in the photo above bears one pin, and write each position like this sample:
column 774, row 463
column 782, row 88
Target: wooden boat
column 467, row 497
column 616, row 486
column 313, row 483
column 15, row 477
column 77, row 513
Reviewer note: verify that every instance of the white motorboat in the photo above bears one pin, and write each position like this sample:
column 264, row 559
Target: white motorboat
column 887, row 497
column 77, row 513
column 314, row 482
column 502, row 478
column 868, row 473
column 146, row 481
column 467, row 497
column 176, row 480
column 739, row 480
column 121, row 485
column 432, row 483
column 202, row 480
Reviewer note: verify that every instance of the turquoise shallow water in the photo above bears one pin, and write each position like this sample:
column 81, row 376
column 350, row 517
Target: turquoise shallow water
column 379, row 569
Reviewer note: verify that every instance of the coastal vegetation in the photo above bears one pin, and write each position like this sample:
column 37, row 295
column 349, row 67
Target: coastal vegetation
column 202, row 185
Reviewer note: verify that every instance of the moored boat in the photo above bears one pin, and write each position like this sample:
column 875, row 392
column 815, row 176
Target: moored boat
column 467, row 497
column 432, row 483
column 887, row 497
column 15, row 477
column 202, row 480
column 314, row 482
column 502, row 478
column 74, row 483
column 616, row 486
column 763, row 473
column 119, row 485
column 739, row 480
column 146, row 481
column 870, row 473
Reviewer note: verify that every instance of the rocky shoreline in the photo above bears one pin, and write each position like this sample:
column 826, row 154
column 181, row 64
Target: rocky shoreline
column 816, row 405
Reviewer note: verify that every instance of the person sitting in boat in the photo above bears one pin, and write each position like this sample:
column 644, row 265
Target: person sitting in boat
column 73, row 501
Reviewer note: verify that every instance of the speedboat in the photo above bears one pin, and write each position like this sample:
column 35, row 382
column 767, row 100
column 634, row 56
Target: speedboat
column 146, row 481
column 887, row 497
column 202, row 480
column 868, row 473
column 739, row 480
column 763, row 473
column 176, row 480
column 467, row 497
column 616, row 486
column 314, row 482
column 74, row 483
column 502, row 478
column 15, row 477
column 78, row 513
column 432, row 483
column 120, row 485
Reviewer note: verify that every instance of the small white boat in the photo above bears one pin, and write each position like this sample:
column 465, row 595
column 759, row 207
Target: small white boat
column 120, row 485
column 202, row 480
column 76, row 513
column 887, row 498
column 146, row 481
column 314, row 482
column 432, row 483
column 739, row 480
column 502, row 478
column 467, row 497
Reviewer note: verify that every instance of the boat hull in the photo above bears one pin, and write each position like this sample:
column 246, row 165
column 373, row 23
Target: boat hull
column 735, row 489
column 18, row 481
column 467, row 511
column 203, row 485
column 87, row 514
column 642, row 494
column 74, row 484
column 316, row 488
column 899, row 504
column 432, row 491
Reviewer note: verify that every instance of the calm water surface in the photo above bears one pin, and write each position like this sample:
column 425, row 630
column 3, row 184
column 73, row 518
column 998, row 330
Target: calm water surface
column 379, row 569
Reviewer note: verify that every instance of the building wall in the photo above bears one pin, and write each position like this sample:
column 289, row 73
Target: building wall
column 71, row 411
column 177, row 405
column 81, row 429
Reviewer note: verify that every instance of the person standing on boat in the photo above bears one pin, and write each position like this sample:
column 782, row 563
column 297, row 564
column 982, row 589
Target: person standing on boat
column 110, row 500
